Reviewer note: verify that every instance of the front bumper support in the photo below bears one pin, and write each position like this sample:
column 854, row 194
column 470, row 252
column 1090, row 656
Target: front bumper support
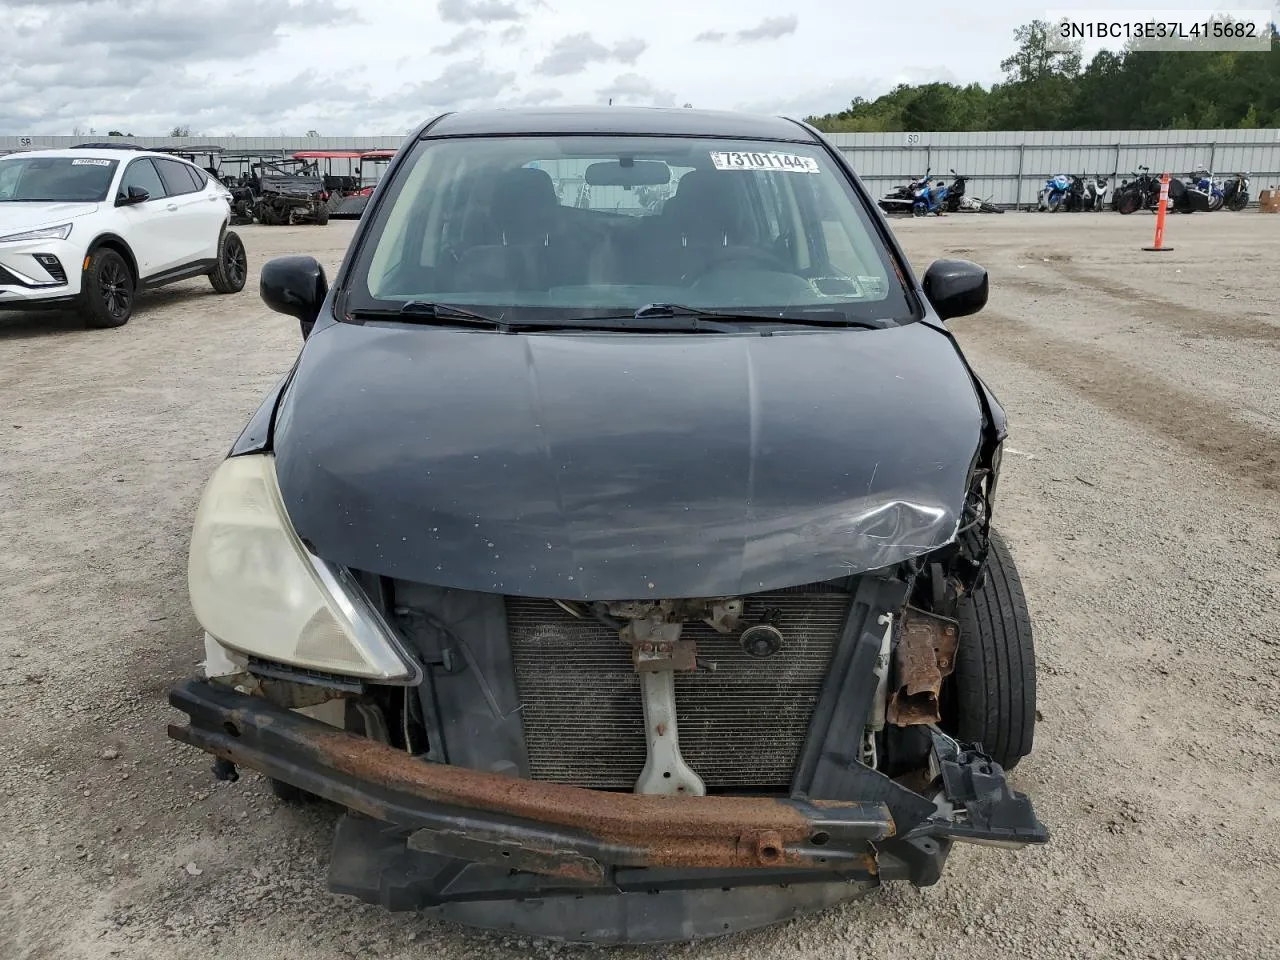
column 549, row 829
column 543, row 859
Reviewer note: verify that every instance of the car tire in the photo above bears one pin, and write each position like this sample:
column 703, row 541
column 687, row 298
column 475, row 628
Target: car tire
column 322, row 214
column 107, row 289
column 993, row 700
column 232, row 268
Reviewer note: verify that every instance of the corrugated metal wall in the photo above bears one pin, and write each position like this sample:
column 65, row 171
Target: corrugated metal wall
column 1010, row 167
column 1007, row 167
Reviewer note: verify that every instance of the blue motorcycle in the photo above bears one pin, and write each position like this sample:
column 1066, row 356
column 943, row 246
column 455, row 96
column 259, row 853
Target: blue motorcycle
column 1054, row 194
column 929, row 198
column 1212, row 188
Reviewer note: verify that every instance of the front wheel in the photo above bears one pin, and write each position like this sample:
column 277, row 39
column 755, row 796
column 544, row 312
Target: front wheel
column 107, row 288
column 1239, row 200
column 993, row 689
column 322, row 214
column 1127, row 203
column 229, row 273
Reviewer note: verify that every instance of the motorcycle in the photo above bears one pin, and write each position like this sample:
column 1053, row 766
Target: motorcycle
column 1074, row 201
column 929, row 199
column 902, row 198
column 1054, row 193
column 1142, row 192
column 1101, row 187
column 1235, row 192
column 959, row 202
column 1095, row 193
column 1204, row 182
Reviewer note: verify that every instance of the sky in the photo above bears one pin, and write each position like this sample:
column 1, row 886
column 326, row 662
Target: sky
column 374, row 67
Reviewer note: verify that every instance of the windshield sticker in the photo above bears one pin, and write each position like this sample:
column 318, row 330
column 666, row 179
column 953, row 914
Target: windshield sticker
column 787, row 162
column 90, row 163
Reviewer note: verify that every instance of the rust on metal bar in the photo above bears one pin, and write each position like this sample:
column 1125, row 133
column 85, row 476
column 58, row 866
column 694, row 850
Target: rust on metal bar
column 551, row 828
column 926, row 654
column 671, row 831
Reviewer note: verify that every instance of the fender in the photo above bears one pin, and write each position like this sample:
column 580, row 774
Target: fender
column 117, row 241
column 257, row 433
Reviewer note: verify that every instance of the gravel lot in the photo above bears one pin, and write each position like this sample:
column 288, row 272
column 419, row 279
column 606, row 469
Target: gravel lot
column 1141, row 497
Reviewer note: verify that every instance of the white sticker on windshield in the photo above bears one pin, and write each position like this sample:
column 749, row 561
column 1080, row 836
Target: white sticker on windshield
column 787, row 162
column 82, row 162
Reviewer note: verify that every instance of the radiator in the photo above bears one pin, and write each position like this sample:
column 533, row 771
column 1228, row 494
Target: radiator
column 741, row 727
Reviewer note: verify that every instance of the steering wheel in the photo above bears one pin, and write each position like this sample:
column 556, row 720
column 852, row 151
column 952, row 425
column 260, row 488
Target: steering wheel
column 742, row 255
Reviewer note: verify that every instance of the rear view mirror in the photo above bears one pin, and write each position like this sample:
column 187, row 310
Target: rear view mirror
column 628, row 173
column 956, row 288
column 295, row 286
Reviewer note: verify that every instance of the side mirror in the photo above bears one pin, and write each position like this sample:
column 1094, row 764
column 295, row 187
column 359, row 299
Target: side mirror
column 295, row 286
column 135, row 194
column 956, row 288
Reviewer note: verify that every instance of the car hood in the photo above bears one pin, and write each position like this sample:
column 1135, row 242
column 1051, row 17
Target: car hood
column 17, row 216
column 622, row 466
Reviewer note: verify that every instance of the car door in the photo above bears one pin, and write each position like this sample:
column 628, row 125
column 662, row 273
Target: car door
column 146, row 226
column 212, row 211
column 188, row 214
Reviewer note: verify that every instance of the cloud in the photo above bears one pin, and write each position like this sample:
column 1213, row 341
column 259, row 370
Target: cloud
column 512, row 33
column 536, row 98
column 460, row 83
column 770, row 28
column 168, row 31
column 478, row 11
column 574, row 53
column 106, row 63
column 632, row 88
column 466, row 37
column 710, row 36
column 628, row 51
column 835, row 95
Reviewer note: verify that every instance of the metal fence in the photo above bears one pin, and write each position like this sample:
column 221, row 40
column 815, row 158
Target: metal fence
column 1010, row 168
column 1006, row 167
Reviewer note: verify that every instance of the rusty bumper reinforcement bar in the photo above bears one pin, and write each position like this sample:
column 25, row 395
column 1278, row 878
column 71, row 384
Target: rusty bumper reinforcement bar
column 544, row 828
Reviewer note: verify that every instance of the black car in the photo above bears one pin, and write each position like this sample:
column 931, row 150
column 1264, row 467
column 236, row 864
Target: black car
column 620, row 559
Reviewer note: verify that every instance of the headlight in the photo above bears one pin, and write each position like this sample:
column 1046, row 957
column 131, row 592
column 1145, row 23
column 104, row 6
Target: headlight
column 60, row 232
column 255, row 588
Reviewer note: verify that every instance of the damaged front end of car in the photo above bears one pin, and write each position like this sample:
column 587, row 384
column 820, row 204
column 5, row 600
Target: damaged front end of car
column 613, row 770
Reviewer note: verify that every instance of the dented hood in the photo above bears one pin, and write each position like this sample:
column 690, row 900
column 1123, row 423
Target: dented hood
column 613, row 465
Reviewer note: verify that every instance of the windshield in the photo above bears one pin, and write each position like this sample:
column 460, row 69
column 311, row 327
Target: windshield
column 55, row 179
column 541, row 227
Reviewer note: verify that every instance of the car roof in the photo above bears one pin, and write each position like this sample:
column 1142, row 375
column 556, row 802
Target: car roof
column 644, row 121
column 96, row 153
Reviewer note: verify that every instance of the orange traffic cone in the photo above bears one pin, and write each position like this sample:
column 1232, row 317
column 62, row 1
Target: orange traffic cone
column 1158, row 246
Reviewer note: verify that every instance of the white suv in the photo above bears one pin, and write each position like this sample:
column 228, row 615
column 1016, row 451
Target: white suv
column 88, row 227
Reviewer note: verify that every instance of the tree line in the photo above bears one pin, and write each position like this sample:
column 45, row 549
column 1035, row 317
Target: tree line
column 1047, row 86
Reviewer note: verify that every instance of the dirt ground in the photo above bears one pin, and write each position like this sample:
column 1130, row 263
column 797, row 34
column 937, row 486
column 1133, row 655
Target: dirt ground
column 1141, row 496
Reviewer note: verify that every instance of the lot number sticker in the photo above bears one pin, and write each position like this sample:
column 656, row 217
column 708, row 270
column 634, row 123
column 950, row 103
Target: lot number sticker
column 90, row 163
column 787, row 162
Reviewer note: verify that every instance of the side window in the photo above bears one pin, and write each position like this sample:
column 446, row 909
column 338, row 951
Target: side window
column 176, row 179
column 141, row 173
column 198, row 176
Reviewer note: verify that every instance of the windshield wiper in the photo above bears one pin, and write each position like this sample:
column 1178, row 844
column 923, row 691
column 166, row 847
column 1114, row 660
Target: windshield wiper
column 669, row 317
column 427, row 312
column 654, row 311
column 445, row 314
